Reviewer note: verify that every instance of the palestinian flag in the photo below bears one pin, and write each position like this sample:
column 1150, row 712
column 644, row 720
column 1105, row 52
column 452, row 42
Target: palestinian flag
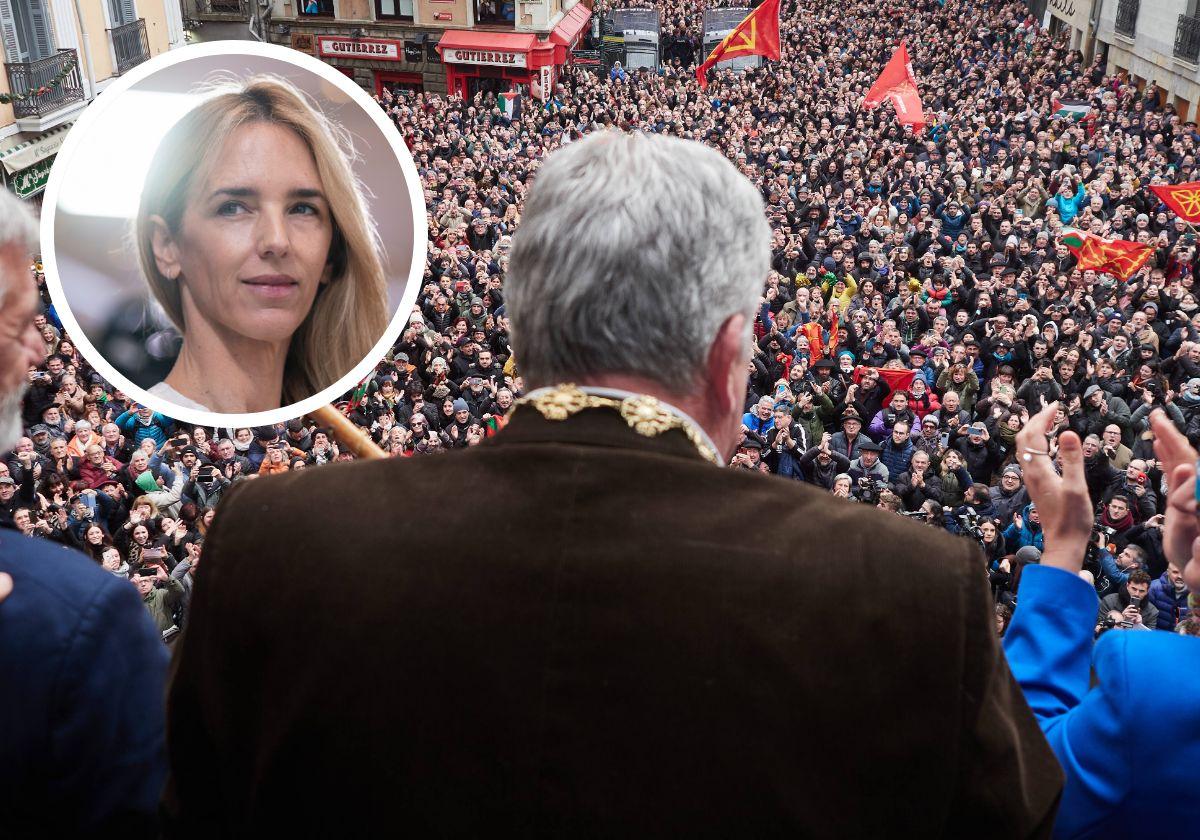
column 1072, row 109
column 1183, row 199
column 1117, row 257
column 510, row 106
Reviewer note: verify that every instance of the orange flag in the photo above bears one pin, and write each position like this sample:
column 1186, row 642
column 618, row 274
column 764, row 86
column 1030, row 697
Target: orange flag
column 757, row 34
column 898, row 83
column 1183, row 199
column 831, row 345
column 1117, row 257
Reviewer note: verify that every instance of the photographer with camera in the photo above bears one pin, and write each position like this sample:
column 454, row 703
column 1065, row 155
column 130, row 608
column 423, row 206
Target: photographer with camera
column 1112, row 790
column 868, row 475
column 1128, row 607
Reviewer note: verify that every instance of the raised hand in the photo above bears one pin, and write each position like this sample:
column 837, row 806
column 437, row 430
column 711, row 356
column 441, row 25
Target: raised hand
column 1063, row 504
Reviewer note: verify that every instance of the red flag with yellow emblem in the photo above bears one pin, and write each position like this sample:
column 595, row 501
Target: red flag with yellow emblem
column 1183, row 199
column 757, row 34
column 1117, row 257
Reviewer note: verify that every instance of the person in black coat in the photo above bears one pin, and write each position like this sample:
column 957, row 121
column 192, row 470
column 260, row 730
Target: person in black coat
column 919, row 484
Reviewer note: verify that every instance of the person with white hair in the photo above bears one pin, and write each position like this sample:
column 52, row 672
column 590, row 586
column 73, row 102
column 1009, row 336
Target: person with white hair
column 82, row 669
column 623, row 652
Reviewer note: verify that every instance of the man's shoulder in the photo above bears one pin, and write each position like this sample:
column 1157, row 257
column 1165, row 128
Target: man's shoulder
column 52, row 572
column 61, row 597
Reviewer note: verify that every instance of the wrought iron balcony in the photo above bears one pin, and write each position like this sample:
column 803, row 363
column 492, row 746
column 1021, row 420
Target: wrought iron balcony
column 218, row 10
column 130, row 44
column 44, row 86
column 1187, row 39
column 1127, row 15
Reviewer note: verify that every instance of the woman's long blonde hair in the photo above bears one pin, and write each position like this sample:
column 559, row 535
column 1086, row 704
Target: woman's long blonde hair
column 350, row 312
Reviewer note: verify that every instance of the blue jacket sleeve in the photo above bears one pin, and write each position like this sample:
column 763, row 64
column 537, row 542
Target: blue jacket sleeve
column 1049, row 649
column 111, row 711
column 1110, row 568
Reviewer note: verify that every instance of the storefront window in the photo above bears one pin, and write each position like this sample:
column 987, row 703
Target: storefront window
column 316, row 8
column 393, row 9
column 503, row 12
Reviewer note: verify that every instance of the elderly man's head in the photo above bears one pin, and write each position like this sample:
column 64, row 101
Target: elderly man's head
column 20, row 345
column 660, row 297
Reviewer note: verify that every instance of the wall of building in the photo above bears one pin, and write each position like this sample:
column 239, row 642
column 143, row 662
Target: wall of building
column 96, row 26
column 1149, row 57
column 157, row 34
column 434, row 12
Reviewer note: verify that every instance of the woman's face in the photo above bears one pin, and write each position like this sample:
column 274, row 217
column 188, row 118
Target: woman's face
column 95, row 535
column 989, row 531
column 199, row 435
column 208, row 517
column 140, row 534
column 253, row 244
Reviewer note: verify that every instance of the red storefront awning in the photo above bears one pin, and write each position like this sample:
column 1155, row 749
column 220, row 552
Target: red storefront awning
column 474, row 41
column 569, row 30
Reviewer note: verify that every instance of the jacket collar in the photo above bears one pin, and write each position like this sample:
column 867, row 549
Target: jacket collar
column 595, row 427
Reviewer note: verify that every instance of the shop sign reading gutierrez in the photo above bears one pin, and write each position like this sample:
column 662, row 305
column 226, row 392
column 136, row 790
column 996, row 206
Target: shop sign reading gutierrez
column 374, row 49
column 498, row 58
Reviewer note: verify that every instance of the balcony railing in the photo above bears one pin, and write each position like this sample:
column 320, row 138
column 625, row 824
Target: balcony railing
column 38, row 78
column 1187, row 39
column 1127, row 15
column 222, row 9
column 130, row 44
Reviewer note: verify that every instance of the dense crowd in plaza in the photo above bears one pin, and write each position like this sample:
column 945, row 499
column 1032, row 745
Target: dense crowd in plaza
column 920, row 308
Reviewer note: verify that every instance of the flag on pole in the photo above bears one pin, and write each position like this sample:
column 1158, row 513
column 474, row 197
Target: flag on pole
column 1117, row 257
column 898, row 84
column 1183, row 199
column 757, row 34
column 359, row 396
column 510, row 106
column 832, row 344
column 1072, row 109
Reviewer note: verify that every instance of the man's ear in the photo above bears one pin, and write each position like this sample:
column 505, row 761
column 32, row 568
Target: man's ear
column 726, row 365
column 166, row 249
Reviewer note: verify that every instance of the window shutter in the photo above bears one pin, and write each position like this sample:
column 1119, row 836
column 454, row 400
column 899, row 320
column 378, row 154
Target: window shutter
column 43, row 37
column 128, row 13
column 13, row 53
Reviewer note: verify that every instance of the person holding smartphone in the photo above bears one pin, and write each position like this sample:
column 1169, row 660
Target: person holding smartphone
column 1104, row 709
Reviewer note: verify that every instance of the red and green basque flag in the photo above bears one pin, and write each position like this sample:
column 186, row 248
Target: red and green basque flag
column 359, row 396
column 1117, row 257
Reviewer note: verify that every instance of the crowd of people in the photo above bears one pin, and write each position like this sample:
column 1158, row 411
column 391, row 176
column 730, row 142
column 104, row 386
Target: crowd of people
column 920, row 308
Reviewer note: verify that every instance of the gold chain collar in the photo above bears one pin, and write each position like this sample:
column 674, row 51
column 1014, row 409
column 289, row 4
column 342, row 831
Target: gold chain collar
column 644, row 413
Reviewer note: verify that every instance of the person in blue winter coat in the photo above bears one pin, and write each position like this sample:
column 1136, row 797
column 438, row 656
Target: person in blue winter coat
column 1170, row 594
column 1111, row 709
column 1026, row 529
column 1069, row 202
column 143, row 422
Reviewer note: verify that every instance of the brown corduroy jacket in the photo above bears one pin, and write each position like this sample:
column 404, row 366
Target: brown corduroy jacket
column 575, row 630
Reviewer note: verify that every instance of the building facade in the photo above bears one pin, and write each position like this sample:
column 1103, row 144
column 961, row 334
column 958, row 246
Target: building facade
column 440, row 46
column 1155, row 41
column 1075, row 18
column 58, row 55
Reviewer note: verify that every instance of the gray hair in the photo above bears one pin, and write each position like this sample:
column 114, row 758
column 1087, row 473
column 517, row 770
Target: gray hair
column 632, row 251
column 18, row 225
column 18, row 231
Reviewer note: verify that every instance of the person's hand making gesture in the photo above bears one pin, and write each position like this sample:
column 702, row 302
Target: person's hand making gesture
column 1181, row 529
column 1062, row 501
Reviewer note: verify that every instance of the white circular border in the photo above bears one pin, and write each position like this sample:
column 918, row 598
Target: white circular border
column 77, row 136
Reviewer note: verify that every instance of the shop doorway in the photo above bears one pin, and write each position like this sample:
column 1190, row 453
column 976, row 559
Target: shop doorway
column 396, row 82
column 488, row 80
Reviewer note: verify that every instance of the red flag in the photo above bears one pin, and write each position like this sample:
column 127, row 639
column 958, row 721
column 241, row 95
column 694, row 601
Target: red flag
column 895, row 379
column 1117, row 257
column 757, row 34
column 832, row 344
column 898, row 83
column 1183, row 199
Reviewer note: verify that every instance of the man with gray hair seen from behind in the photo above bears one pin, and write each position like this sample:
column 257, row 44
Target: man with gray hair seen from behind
column 82, row 668
column 628, row 652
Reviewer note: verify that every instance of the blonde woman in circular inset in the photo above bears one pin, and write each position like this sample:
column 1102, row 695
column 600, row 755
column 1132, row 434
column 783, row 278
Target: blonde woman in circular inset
column 254, row 237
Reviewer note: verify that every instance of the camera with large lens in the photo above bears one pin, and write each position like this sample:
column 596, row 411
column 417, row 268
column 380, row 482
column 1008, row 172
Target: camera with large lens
column 869, row 489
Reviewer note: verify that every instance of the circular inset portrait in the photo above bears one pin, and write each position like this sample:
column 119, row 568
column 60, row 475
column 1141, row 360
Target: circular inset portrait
column 233, row 233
